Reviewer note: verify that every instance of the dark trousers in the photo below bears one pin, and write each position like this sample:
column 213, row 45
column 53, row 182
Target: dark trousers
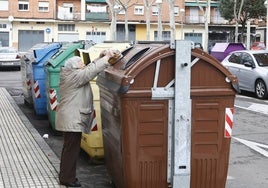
column 69, row 156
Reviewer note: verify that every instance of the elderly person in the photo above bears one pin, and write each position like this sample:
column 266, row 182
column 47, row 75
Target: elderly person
column 75, row 110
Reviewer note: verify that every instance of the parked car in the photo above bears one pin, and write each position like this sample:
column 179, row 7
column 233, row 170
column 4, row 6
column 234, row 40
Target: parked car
column 258, row 46
column 251, row 69
column 9, row 58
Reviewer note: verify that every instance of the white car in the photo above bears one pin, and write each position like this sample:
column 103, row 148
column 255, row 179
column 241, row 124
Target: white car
column 251, row 69
column 9, row 58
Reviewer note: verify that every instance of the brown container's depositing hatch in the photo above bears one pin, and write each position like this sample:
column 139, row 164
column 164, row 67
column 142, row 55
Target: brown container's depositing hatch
column 135, row 126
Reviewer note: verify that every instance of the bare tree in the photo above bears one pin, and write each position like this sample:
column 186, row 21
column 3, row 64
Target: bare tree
column 206, row 14
column 159, row 22
column 172, row 20
column 148, row 5
column 124, row 6
column 117, row 6
column 126, row 19
column 111, row 4
column 237, row 16
column 241, row 11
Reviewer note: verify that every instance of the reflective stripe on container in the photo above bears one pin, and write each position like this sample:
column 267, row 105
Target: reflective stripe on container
column 229, row 112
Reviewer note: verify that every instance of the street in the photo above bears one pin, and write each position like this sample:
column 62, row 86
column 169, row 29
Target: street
column 249, row 147
column 248, row 151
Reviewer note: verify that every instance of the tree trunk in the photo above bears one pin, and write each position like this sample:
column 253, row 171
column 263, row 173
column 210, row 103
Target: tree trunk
column 207, row 21
column 159, row 29
column 113, row 21
column 172, row 21
column 126, row 26
column 148, row 28
column 236, row 31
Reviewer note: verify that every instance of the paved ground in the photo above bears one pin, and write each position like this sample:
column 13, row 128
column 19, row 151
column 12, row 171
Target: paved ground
column 27, row 159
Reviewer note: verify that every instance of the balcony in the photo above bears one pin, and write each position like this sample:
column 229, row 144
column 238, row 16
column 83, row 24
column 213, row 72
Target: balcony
column 97, row 16
column 68, row 16
column 89, row 16
column 200, row 20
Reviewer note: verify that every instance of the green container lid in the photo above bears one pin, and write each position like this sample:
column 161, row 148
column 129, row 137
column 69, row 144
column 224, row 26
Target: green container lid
column 68, row 50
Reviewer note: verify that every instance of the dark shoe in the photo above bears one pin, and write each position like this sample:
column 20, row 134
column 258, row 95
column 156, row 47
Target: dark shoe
column 73, row 184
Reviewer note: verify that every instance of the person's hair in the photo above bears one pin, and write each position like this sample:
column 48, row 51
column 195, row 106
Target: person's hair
column 73, row 62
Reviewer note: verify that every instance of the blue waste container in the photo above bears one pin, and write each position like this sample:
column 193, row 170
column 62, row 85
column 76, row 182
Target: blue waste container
column 27, row 72
column 38, row 81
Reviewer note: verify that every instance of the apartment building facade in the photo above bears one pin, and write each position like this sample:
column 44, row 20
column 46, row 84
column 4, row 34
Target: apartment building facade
column 24, row 23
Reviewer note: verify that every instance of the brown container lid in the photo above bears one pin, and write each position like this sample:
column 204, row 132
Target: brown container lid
column 140, row 56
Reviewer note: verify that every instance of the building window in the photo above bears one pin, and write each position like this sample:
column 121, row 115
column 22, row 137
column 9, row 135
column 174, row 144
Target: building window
column 3, row 26
column 66, row 27
column 139, row 10
column 217, row 19
column 69, row 6
column 100, row 33
column 23, row 5
column 66, row 12
column 154, row 10
column 120, row 9
column 166, row 35
column 176, row 11
column 43, row 6
column 194, row 15
column 3, row 5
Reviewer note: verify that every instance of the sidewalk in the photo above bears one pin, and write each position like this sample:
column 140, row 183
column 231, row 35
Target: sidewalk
column 25, row 158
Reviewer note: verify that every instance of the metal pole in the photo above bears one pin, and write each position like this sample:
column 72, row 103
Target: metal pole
column 266, row 24
column 182, row 117
column 11, row 19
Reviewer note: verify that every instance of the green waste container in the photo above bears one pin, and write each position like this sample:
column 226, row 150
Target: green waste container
column 52, row 69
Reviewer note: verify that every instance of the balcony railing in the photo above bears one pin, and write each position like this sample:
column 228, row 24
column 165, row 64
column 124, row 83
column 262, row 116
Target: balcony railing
column 97, row 16
column 90, row 16
column 68, row 16
column 200, row 19
column 104, row 17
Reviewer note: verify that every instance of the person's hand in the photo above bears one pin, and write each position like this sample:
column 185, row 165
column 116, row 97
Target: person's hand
column 103, row 53
column 109, row 53
column 113, row 55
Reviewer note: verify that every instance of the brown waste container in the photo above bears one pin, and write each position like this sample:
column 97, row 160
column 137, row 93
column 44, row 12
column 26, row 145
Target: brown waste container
column 135, row 127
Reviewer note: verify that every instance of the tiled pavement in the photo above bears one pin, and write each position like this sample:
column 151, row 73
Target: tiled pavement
column 25, row 158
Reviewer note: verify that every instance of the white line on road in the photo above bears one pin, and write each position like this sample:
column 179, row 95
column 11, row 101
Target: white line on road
column 255, row 146
column 260, row 108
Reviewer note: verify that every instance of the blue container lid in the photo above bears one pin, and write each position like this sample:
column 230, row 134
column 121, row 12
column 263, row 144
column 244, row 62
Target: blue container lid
column 42, row 53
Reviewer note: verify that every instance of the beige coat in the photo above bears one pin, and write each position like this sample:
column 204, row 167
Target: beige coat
column 75, row 109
